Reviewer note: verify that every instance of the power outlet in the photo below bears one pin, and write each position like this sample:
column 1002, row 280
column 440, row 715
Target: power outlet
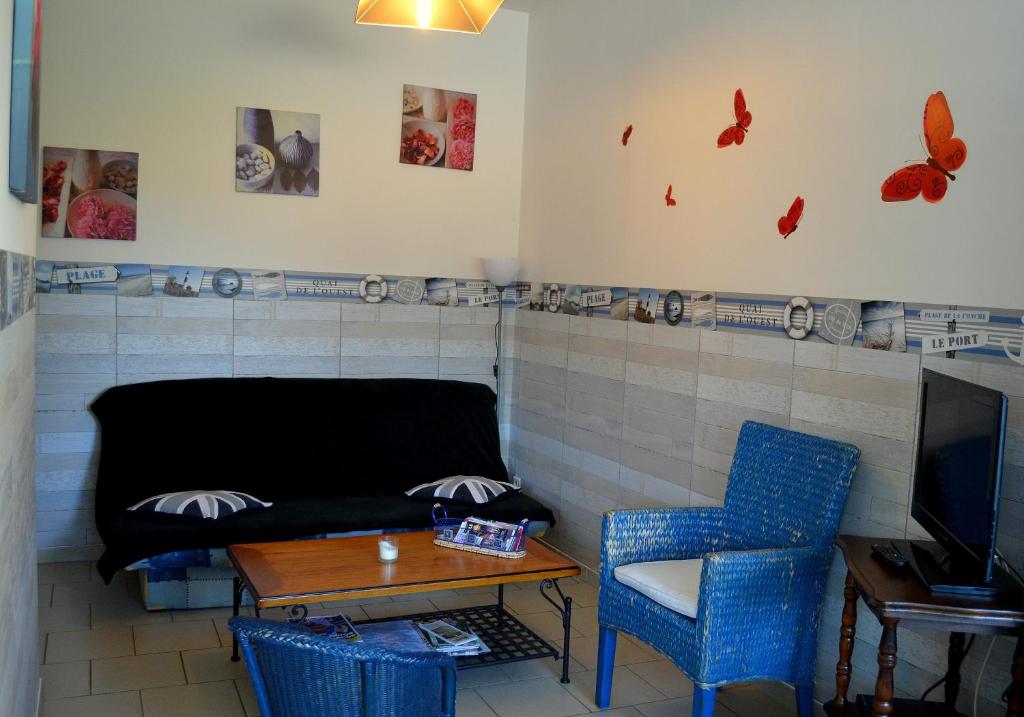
column 517, row 482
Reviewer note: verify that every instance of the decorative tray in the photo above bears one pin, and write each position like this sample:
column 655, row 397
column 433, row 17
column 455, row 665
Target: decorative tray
column 500, row 540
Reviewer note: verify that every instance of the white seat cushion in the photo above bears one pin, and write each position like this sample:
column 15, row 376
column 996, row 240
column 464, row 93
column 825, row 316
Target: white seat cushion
column 672, row 583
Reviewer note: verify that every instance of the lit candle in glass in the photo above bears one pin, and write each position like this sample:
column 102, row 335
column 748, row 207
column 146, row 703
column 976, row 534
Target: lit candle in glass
column 388, row 548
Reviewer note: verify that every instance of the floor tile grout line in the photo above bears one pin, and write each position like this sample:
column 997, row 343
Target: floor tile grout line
column 481, row 698
column 238, row 693
column 181, row 659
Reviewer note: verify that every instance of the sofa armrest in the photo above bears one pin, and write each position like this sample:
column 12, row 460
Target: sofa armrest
column 641, row 536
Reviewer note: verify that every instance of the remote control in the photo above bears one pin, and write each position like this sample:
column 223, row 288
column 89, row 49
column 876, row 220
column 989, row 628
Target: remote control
column 890, row 554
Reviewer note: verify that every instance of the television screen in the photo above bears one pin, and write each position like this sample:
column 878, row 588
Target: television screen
column 956, row 491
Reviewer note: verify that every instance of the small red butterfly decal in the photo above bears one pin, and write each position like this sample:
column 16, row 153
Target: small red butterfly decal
column 948, row 153
column 787, row 224
column 669, row 201
column 737, row 132
column 626, row 134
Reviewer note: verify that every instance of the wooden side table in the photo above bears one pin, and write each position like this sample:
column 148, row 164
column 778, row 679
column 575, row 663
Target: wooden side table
column 898, row 597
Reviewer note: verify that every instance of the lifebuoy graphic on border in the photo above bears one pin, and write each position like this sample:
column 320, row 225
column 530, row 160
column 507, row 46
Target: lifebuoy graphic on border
column 673, row 308
column 792, row 330
column 371, row 280
column 553, row 298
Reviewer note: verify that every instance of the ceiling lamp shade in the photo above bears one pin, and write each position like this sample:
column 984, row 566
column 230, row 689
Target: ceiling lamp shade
column 456, row 15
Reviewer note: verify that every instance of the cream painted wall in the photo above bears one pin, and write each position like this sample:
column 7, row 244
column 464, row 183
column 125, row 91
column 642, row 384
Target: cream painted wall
column 164, row 79
column 19, row 671
column 836, row 91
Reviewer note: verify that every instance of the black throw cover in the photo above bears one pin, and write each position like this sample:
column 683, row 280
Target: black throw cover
column 333, row 455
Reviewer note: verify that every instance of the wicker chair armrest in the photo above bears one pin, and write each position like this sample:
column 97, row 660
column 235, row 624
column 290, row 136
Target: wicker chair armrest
column 641, row 536
column 254, row 635
column 752, row 595
column 247, row 629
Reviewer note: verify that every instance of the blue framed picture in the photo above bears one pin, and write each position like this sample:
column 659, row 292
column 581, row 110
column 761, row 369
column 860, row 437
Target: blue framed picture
column 23, row 170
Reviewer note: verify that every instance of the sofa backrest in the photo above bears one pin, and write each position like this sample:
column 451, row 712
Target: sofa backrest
column 276, row 438
column 786, row 489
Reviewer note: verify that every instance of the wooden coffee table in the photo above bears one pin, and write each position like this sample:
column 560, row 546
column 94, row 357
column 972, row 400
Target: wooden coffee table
column 295, row 573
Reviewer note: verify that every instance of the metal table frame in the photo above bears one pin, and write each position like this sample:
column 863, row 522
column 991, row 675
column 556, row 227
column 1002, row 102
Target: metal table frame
column 527, row 644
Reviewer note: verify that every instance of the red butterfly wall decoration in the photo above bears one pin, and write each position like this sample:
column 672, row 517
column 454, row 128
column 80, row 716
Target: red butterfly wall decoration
column 626, row 134
column 669, row 201
column 737, row 132
column 788, row 223
column 947, row 154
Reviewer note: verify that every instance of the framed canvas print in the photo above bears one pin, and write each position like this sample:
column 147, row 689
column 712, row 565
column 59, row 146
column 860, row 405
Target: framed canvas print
column 23, row 163
column 438, row 128
column 89, row 193
column 277, row 152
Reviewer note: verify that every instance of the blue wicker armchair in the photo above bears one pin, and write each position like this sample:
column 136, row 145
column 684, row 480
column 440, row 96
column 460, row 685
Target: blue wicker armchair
column 749, row 609
column 295, row 673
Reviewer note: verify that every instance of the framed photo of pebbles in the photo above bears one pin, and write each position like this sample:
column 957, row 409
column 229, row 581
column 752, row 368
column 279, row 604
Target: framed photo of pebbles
column 277, row 152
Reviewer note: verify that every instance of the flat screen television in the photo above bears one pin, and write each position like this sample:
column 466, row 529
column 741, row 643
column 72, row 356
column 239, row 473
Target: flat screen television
column 957, row 485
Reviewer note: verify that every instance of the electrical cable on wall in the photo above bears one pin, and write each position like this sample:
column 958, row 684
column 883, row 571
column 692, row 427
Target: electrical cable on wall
column 981, row 674
column 945, row 677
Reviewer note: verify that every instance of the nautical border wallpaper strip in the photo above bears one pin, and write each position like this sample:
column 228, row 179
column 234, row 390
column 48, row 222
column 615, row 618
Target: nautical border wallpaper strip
column 973, row 333
column 17, row 288
column 255, row 284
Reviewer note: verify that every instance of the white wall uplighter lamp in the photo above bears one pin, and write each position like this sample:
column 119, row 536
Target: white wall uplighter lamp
column 455, row 15
column 502, row 272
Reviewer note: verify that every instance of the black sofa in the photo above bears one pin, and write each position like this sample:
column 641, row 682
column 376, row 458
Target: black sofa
column 332, row 455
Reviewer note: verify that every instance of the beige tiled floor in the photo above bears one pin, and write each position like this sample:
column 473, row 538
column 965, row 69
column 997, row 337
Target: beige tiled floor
column 103, row 655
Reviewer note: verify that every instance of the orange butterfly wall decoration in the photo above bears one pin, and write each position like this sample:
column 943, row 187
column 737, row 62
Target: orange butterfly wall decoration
column 626, row 135
column 737, row 132
column 947, row 154
column 669, row 201
column 788, row 223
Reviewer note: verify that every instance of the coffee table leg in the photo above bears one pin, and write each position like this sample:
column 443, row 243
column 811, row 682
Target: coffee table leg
column 565, row 610
column 566, row 623
column 501, row 604
column 236, row 604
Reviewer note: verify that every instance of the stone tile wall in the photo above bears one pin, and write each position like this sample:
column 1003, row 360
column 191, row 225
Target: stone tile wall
column 88, row 343
column 610, row 414
column 19, row 641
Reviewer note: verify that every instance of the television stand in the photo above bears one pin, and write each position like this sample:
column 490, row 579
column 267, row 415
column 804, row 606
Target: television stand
column 898, row 598
column 944, row 575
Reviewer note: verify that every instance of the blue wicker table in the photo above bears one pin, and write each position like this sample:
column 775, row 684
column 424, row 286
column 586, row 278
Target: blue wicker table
column 296, row 573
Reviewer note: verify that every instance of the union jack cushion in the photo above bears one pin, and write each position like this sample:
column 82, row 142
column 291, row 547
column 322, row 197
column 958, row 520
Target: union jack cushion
column 462, row 489
column 211, row 504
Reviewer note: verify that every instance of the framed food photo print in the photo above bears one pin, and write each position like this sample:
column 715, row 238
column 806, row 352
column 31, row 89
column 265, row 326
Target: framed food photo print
column 89, row 193
column 438, row 128
column 277, row 152
column 23, row 156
